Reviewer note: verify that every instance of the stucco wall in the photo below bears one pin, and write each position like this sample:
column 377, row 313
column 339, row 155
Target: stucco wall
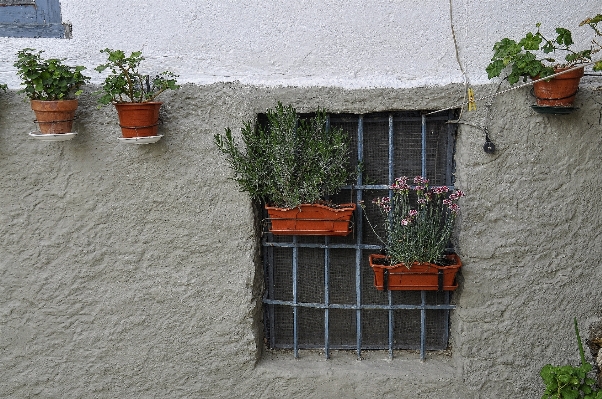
column 130, row 271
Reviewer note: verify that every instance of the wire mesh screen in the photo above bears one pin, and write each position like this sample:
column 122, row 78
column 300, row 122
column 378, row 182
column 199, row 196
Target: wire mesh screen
column 320, row 290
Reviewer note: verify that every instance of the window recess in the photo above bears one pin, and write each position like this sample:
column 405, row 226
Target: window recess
column 319, row 290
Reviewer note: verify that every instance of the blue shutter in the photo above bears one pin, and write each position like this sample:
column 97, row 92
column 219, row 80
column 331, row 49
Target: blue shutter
column 31, row 18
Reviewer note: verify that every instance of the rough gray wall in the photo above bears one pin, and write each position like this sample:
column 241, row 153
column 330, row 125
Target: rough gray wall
column 530, row 238
column 130, row 271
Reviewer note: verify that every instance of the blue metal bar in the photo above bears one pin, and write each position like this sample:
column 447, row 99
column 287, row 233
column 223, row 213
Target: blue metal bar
column 446, row 323
column 327, row 286
column 383, row 186
column 400, row 117
column 269, row 267
column 391, row 160
column 354, row 307
column 326, row 297
column 359, row 238
column 449, row 179
column 367, row 187
column 423, row 326
column 423, row 293
column 391, row 180
column 423, row 167
column 314, row 245
column 295, row 326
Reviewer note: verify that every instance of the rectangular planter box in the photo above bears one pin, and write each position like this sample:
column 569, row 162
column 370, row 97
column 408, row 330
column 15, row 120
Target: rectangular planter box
column 421, row 277
column 311, row 219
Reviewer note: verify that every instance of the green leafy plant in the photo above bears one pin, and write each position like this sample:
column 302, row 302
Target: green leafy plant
column 420, row 232
column 570, row 382
column 596, row 45
column 3, row 87
column 48, row 79
column 289, row 161
column 535, row 55
column 126, row 84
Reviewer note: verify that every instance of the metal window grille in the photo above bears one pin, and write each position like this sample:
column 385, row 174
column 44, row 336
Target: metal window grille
column 319, row 290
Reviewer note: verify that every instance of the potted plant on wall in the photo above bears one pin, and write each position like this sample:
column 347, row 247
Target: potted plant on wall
column 596, row 44
column 292, row 165
column 52, row 88
column 534, row 56
column 416, row 238
column 133, row 94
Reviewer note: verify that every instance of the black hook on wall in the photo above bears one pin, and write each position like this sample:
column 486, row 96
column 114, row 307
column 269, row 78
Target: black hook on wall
column 488, row 147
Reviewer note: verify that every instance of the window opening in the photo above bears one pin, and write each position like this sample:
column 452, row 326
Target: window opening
column 32, row 18
column 319, row 290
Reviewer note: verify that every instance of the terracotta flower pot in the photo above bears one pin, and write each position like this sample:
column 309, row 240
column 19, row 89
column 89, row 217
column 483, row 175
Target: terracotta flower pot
column 559, row 91
column 311, row 219
column 421, row 277
column 138, row 119
column 54, row 117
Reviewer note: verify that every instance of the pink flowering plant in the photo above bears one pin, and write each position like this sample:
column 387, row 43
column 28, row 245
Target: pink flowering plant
column 418, row 221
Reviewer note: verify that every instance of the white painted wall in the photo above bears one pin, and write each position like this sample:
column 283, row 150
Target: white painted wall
column 351, row 43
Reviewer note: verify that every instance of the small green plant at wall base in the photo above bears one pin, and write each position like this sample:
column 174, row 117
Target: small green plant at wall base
column 532, row 55
column 126, row 84
column 3, row 87
column 596, row 43
column 48, row 79
column 570, row 382
column 419, row 233
column 289, row 161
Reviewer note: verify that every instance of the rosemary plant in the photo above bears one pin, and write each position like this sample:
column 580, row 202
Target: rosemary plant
column 290, row 160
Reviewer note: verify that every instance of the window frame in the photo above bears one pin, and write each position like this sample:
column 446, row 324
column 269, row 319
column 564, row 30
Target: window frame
column 360, row 247
column 39, row 20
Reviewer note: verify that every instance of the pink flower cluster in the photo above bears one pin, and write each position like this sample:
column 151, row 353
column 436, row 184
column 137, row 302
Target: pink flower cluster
column 420, row 234
column 425, row 195
column 384, row 203
column 440, row 190
column 401, row 183
column 451, row 200
column 421, row 180
column 411, row 215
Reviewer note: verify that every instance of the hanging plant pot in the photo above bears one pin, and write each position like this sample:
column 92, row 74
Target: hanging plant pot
column 560, row 91
column 421, row 277
column 311, row 219
column 138, row 119
column 54, row 117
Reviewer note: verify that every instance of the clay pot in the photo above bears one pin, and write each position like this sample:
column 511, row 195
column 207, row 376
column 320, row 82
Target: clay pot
column 420, row 277
column 138, row 119
column 311, row 219
column 54, row 117
column 559, row 91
